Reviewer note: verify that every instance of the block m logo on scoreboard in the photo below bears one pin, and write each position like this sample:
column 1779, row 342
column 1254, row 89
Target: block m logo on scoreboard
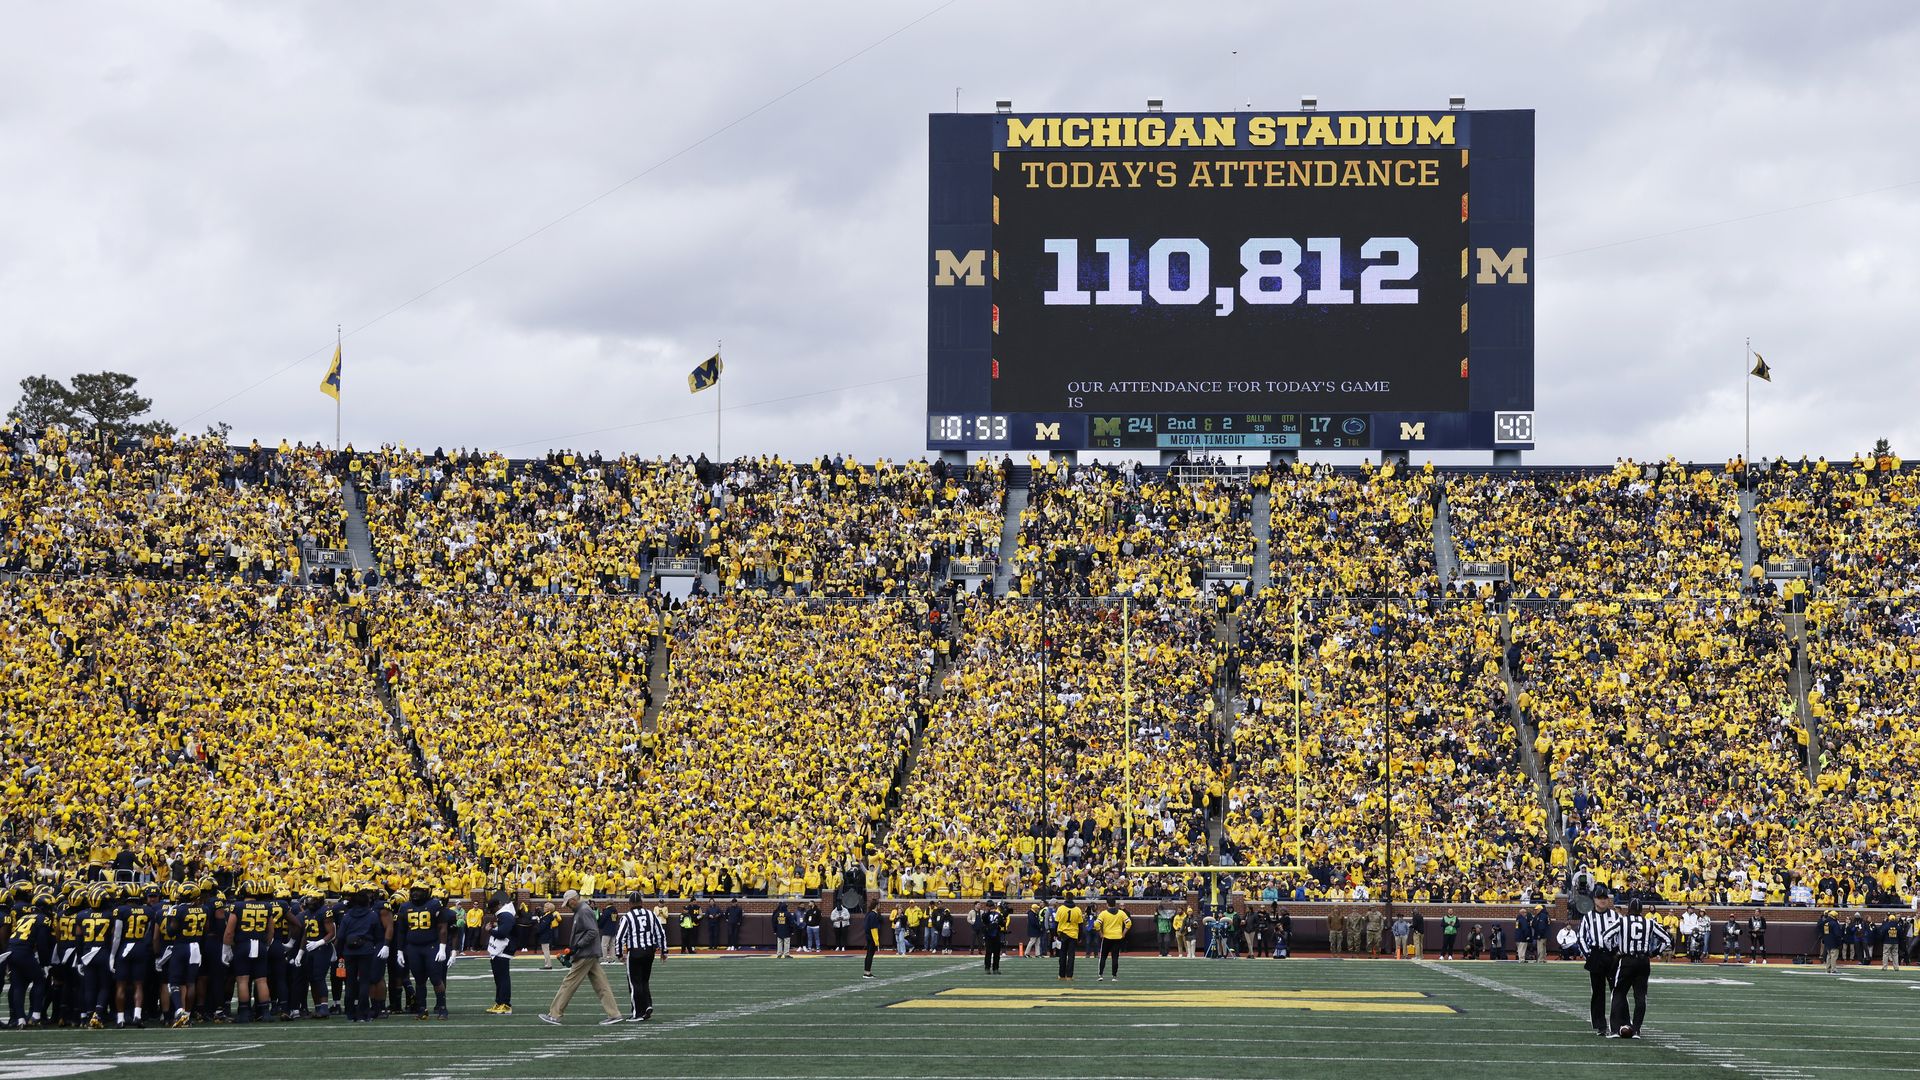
column 1494, row 265
column 1046, row 432
column 968, row 269
column 1415, row 432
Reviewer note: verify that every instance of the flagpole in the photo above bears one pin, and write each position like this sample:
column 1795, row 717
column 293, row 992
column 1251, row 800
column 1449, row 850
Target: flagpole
column 336, row 393
column 1746, row 381
column 719, row 392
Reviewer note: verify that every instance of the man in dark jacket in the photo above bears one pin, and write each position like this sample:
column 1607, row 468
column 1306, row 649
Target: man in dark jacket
column 735, row 917
column 991, row 928
column 1522, row 935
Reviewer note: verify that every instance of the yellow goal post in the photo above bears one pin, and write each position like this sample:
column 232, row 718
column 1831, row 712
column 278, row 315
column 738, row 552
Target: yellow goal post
column 1126, row 719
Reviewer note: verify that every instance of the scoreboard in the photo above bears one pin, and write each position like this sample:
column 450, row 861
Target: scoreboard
column 1143, row 281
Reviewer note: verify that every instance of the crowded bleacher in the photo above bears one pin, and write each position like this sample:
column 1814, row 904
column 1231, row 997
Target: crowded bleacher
column 507, row 691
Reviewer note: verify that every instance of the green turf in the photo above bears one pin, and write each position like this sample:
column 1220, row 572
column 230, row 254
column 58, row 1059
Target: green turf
column 755, row 1017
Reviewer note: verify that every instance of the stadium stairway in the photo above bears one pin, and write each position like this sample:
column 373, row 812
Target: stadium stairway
column 402, row 730
column 1799, row 676
column 1749, row 533
column 359, row 538
column 1446, row 561
column 1227, row 695
column 1523, row 736
column 659, row 667
column 1262, row 533
column 910, row 760
column 1019, row 488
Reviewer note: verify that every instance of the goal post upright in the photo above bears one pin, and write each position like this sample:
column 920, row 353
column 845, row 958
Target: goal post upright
column 1126, row 721
column 1298, row 755
column 1213, row 872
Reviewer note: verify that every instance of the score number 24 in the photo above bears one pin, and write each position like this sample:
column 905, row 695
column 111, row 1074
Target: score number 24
column 1271, row 272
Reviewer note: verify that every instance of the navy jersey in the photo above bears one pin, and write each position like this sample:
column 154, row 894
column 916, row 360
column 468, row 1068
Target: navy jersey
column 419, row 924
column 213, row 924
column 290, row 923
column 94, row 929
column 32, row 936
column 137, row 922
column 182, row 923
column 254, row 921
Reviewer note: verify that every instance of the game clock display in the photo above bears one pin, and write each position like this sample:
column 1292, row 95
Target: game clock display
column 973, row 429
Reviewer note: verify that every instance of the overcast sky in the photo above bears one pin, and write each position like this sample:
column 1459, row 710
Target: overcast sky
column 196, row 193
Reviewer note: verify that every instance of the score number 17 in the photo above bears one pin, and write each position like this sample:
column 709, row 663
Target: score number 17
column 1271, row 272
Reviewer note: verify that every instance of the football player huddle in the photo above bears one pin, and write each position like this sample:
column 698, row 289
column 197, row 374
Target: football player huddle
column 105, row 954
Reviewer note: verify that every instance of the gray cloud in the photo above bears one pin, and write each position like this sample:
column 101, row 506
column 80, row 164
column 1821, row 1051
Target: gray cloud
column 195, row 193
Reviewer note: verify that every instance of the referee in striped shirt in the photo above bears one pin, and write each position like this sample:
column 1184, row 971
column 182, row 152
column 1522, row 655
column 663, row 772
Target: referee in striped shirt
column 1601, row 961
column 1636, row 938
column 640, row 937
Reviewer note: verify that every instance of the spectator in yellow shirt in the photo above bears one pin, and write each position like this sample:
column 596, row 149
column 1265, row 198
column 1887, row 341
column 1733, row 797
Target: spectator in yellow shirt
column 1112, row 925
column 1067, row 922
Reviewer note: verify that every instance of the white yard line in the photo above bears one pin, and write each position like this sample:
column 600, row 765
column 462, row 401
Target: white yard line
column 586, row 1042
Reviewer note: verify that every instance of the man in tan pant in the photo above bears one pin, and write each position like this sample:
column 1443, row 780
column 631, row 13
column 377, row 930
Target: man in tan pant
column 584, row 945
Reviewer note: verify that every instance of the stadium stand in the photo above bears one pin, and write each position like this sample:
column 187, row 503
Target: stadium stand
column 970, row 820
column 840, row 528
column 1421, row 681
column 1103, row 530
column 516, row 699
column 1635, row 530
column 1345, row 534
column 1669, row 737
column 568, row 523
column 165, row 509
column 527, row 711
column 199, row 727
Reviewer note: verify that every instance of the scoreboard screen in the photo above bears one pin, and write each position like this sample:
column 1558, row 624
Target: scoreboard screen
column 1231, row 281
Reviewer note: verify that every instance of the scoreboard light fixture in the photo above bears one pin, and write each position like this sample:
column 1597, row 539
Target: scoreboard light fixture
column 1308, row 104
column 1457, row 102
column 1154, row 104
column 1003, row 105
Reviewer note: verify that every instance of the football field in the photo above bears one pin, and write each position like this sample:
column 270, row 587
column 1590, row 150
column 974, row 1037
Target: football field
column 929, row 1018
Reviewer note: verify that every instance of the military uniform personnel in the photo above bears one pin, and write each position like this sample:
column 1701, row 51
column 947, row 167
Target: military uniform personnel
column 1831, row 933
column 1336, row 930
column 1374, row 923
column 1893, row 942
